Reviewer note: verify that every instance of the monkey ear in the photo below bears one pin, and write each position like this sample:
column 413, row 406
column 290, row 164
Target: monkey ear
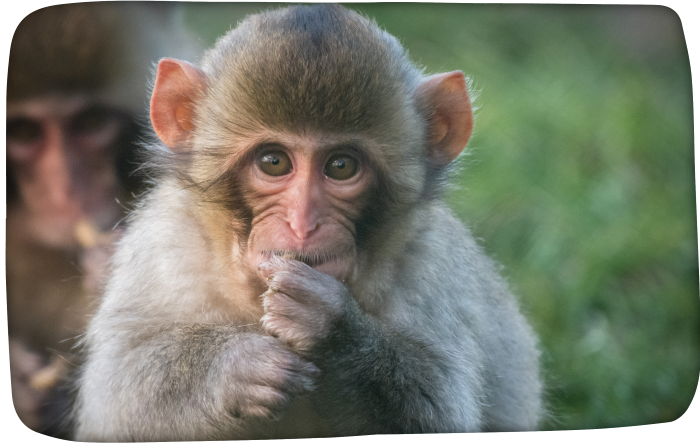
column 446, row 97
column 177, row 85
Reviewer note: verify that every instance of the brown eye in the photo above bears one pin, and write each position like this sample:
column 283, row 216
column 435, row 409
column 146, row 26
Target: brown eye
column 340, row 167
column 24, row 138
column 275, row 163
column 23, row 130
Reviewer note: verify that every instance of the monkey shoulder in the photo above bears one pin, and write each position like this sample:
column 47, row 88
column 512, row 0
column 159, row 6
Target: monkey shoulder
column 162, row 264
column 441, row 274
column 434, row 273
column 441, row 257
column 480, row 304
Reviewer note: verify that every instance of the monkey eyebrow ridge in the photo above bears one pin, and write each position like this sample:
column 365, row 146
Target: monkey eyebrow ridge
column 351, row 145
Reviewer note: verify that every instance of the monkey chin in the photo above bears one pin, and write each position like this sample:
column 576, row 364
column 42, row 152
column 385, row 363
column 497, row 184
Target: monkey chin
column 338, row 266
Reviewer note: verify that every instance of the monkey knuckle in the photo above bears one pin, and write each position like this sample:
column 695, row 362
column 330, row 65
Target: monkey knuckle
column 271, row 331
column 284, row 279
column 270, row 303
column 298, row 365
column 266, row 319
column 276, row 286
column 295, row 339
column 258, row 411
column 287, row 337
column 274, row 328
column 281, row 388
column 304, row 344
column 268, row 396
column 280, row 301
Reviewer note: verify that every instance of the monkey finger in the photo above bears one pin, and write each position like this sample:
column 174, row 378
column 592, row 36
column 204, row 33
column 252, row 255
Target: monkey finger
column 263, row 402
column 282, row 329
column 280, row 302
column 270, row 324
column 292, row 380
column 285, row 319
column 255, row 411
column 303, row 286
column 273, row 264
column 277, row 263
column 299, row 336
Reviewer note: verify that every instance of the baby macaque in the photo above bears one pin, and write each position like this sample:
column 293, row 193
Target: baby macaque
column 293, row 271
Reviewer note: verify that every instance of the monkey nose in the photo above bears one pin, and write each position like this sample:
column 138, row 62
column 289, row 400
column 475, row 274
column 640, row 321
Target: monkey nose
column 303, row 223
column 303, row 228
column 55, row 171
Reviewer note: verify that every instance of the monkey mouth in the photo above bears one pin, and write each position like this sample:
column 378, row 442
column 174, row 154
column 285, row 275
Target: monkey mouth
column 311, row 258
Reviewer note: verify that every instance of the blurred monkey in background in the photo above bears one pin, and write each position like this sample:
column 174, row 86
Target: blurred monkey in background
column 77, row 79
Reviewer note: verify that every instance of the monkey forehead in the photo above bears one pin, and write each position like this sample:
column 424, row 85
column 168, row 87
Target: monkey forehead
column 316, row 67
column 58, row 106
column 306, row 144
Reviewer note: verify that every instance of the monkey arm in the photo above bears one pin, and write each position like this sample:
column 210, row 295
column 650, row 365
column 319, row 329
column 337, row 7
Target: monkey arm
column 186, row 382
column 379, row 379
column 131, row 398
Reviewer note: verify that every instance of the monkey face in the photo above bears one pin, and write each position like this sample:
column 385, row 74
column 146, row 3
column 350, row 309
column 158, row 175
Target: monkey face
column 60, row 150
column 301, row 189
column 306, row 194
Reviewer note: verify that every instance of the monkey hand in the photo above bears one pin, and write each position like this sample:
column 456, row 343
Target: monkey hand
column 258, row 377
column 302, row 305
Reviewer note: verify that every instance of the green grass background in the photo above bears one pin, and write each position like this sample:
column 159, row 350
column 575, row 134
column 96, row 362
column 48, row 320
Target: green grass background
column 579, row 180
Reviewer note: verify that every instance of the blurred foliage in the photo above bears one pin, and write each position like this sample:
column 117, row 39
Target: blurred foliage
column 579, row 180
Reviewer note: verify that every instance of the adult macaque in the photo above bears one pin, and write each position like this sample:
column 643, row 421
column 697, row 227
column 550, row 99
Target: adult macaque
column 75, row 86
column 292, row 273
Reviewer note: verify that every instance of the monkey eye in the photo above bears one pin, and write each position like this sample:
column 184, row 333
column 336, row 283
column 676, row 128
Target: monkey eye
column 24, row 138
column 23, row 130
column 340, row 167
column 275, row 163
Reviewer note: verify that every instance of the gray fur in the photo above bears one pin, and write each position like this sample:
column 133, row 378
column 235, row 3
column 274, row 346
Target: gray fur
column 425, row 336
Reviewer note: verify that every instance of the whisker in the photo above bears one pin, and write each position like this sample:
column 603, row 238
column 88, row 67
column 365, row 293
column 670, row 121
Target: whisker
column 311, row 258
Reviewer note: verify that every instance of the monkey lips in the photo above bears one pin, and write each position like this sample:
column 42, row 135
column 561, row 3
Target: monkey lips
column 334, row 264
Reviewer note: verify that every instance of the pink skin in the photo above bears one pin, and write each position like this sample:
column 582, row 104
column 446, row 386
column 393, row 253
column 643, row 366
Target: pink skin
column 305, row 213
column 63, row 175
